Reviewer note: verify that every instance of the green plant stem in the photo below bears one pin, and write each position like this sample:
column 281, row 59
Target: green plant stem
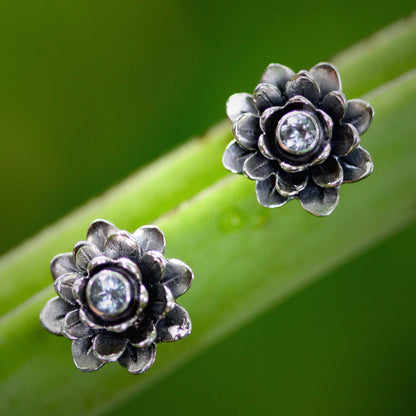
column 173, row 179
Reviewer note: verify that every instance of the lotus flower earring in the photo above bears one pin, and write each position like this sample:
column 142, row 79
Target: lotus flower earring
column 117, row 297
column 298, row 137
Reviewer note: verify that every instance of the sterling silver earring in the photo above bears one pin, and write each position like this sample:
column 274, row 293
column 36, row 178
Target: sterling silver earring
column 298, row 137
column 117, row 297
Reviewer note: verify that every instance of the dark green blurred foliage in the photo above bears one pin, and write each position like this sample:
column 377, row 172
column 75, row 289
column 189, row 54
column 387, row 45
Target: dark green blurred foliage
column 90, row 91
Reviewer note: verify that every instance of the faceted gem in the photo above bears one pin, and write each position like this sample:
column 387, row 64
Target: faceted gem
column 297, row 132
column 109, row 293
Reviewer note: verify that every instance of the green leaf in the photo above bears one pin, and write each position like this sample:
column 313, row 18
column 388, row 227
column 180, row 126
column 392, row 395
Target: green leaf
column 245, row 257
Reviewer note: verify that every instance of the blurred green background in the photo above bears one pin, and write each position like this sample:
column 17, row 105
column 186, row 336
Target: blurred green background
column 91, row 91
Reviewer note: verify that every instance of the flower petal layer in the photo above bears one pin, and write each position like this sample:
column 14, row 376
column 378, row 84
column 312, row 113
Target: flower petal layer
column 152, row 267
column 84, row 358
column 74, row 328
column 138, row 360
column 234, row 157
column 335, row 105
column 327, row 77
column 53, row 314
column 62, row 264
column 63, row 287
column 150, row 237
column 277, row 75
column 344, row 140
column 290, row 184
column 303, row 84
column 357, row 165
column 176, row 325
column 257, row 167
column 238, row 104
column 108, row 347
column 267, row 95
column 99, row 231
column 178, row 277
column 359, row 114
column 84, row 252
column 247, row 131
column 122, row 244
column 267, row 194
column 328, row 174
column 319, row 201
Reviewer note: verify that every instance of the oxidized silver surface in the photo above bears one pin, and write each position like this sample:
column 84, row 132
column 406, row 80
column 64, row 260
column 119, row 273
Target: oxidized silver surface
column 314, row 174
column 134, row 267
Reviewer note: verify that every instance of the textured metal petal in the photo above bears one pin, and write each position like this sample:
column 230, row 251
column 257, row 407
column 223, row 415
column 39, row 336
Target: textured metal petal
column 84, row 252
column 122, row 244
column 326, row 122
column 62, row 264
column 335, row 105
column 53, row 314
column 138, row 360
column 359, row 114
column 176, row 325
column 162, row 301
column 247, row 131
column 74, row 328
column 357, row 165
column 63, row 287
column 270, row 118
column 290, row 184
column 108, row 347
column 178, row 277
column 257, row 167
column 234, row 157
column 267, row 194
column 277, row 74
column 327, row 77
column 265, row 148
column 84, row 358
column 149, row 238
column 344, row 139
column 328, row 174
column 319, row 201
column 238, row 104
column 267, row 95
column 323, row 155
column 99, row 231
column 303, row 84
column 152, row 267
column 142, row 337
column 291, row 168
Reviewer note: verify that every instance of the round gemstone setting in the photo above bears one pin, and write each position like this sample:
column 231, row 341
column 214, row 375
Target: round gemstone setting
column 109, row 293
column 297, row 132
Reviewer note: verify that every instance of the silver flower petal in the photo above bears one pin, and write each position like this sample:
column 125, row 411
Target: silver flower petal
column 122, row 244
column 238, row 104
column 335, row 105
column 328, row 174
column 178, row 277
column 108, row 347
column 99, row 231
column 53, row 314
column 267, row 194
column 234, row 157
column 138, row 360
column 326, row 121
column 142, row 338
column 84, row 252
column 357, row 165
column 149, row 238
column 278, row 75
column 74, row 328
column 327, row 77
column 267, row 95
column 290, row 184
column 176, row 325
column 264, row 147
column 84, row 358
column 247, row 131
column 257, row 167
column 303, row 84
column 319, row 201
column 359, row 114
column 323, row 155
column 344, row 140
column 63, row 286
column 269, row 118
column 152, row 267
column 162, row 301
column 62, row 264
